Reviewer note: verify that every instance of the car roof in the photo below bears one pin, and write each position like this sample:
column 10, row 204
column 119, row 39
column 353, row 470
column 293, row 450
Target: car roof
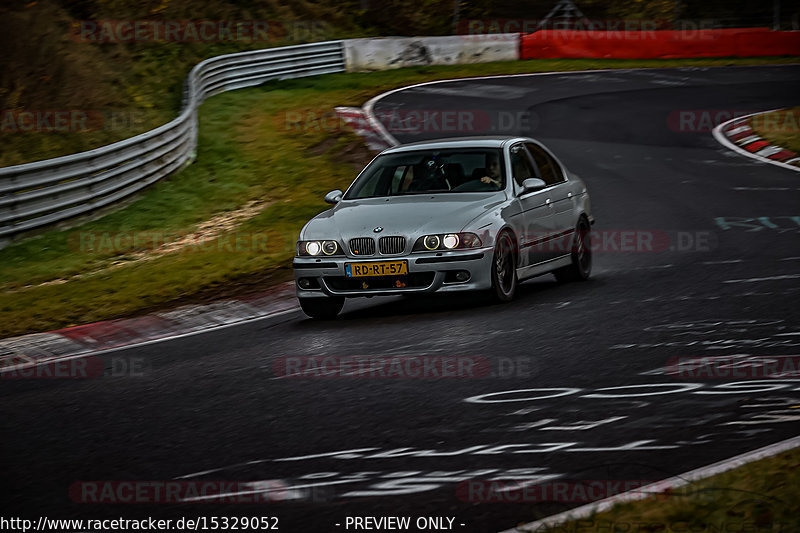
column 456, row 142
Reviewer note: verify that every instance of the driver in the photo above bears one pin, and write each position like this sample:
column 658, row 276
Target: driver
column 492, row 171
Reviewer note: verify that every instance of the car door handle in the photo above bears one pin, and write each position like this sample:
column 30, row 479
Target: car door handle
column 548, row 203
column 569, row 195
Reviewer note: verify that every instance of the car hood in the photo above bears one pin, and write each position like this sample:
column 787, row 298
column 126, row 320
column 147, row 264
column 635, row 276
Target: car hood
column 410, row 216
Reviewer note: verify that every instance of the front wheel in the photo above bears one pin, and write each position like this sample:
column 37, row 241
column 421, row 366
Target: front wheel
column 581, row 267
column 322, row 308
column 504, row 269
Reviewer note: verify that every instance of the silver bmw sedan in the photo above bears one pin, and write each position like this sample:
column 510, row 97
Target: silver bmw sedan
column 451, row 215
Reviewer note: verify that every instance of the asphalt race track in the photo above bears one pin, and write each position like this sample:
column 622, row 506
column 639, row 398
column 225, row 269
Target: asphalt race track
column 712, row 270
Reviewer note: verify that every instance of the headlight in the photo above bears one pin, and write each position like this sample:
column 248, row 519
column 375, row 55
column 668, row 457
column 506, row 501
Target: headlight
column 448, row 241
column 432, row 242
column 329, row 247
column 315, row 248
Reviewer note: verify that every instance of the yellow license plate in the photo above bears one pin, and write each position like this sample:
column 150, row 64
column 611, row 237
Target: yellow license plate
column 377, row 268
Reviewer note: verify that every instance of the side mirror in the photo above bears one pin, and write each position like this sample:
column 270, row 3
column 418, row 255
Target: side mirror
column 533, row 184
column 333, row 197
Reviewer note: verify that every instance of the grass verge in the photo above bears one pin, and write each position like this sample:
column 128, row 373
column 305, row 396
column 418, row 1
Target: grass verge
column 258, row 177
column 781, row 128
column 763, row 496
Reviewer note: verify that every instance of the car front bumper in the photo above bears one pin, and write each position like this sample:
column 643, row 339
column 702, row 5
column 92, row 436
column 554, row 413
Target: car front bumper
column 427, row 273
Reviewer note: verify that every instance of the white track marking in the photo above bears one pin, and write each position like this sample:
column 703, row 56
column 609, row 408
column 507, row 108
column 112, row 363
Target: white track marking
column 765, row 189
column 266, row 490
column 769, row 278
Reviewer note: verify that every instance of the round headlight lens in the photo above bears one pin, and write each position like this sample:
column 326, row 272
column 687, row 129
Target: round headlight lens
column 313, row 248
column 431, row 242
column 329, row 247
column 450, row 240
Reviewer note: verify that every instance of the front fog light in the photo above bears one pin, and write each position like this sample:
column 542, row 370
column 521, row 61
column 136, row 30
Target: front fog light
column 432, row 242
column 450, row 240
column 313, row 248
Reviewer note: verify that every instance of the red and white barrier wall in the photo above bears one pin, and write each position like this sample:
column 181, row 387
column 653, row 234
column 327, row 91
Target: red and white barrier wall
column 363, row 55
column 659, row 44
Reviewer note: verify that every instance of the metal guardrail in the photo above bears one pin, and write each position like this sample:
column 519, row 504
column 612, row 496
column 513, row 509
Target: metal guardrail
column 37, row 194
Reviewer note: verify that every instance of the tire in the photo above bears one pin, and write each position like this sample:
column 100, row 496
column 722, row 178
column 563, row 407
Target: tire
column 322, row 308
column 581, row 267
column 504, row 269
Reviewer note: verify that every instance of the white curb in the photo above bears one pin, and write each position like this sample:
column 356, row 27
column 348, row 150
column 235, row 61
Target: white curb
column 719, row 135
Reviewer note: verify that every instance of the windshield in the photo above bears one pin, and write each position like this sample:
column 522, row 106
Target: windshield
column 426, row 171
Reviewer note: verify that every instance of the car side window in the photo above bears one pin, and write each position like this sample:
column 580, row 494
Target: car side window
column 521, row 165
column 550, row 169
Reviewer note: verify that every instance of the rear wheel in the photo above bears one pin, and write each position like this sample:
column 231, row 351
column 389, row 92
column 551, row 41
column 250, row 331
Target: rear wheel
column 581, row 267
column 322, row 308
column 504, row 269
